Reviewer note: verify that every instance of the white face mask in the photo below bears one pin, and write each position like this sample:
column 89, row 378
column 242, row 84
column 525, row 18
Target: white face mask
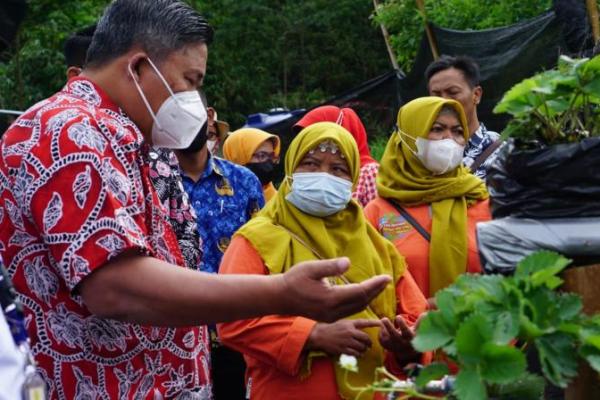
column 178, row 119
column 212, row 146
column 438, row 156
column 319, row 194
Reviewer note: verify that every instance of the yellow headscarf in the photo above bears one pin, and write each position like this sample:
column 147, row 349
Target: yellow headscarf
column 402, row 177
column 345, row 233
column 241, row 145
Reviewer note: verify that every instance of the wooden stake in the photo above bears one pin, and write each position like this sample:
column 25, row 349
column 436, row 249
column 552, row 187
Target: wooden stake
column 430, row 35
column 386, row 38
column 592, row 9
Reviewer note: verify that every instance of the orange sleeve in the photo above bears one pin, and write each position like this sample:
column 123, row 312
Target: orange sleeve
column 274, row 340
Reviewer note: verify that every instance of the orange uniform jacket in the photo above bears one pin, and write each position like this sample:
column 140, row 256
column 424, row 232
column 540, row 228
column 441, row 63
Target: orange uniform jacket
column 273, row 345
column 388, row 221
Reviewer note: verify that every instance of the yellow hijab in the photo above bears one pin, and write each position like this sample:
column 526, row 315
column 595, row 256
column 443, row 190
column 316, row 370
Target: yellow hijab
column 402, row 177
column 241, row 145
column 345, row 233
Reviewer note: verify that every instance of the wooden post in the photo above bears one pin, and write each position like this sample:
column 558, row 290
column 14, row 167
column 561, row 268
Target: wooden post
column 386, row 38
column 592, row 9
column 430, row 36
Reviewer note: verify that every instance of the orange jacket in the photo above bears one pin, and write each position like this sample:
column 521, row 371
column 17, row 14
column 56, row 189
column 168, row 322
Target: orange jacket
column 388, row 221
column 273, row 346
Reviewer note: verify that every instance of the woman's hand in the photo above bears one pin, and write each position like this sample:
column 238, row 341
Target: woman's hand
column 341, row 337
column 396, row 339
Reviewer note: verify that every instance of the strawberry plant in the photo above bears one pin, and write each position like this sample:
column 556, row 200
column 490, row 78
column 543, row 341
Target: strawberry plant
column 484, row 322
column 556, row 106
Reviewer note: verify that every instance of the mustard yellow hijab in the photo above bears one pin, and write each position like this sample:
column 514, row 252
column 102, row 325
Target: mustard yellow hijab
column 402, row 177
column 241, row 145
column 284, row 236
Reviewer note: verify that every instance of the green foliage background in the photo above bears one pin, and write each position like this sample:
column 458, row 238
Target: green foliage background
column 266, row 53
column 405, row 22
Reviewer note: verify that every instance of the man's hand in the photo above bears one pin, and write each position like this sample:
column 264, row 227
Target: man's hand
column 341, row 337
column 307, row 293
column 396, row 338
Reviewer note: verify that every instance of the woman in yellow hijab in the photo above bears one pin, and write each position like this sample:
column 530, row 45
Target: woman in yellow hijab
column 258, row 151
column 428, row 201
column 313, row 217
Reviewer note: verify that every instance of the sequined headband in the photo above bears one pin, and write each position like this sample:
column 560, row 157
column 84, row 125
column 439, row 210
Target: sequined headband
column 327, row 146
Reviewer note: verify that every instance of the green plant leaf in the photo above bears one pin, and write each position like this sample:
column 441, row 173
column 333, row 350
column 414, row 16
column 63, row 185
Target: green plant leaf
column 471, row 336
column 540, row 266
column 526, row 387
column 501, row 363
column 469, row 385
column 558, row 357
column 431, row 372
column 432, row 333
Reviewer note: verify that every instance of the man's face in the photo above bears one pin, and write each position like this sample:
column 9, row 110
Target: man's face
column 183, row 70
column 451, row 84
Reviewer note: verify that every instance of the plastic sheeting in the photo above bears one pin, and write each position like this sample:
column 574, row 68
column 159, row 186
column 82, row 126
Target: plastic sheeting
column 504, row 242
column 560, row 181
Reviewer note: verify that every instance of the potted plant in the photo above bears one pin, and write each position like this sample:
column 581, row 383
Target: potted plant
column 484, row 323
column 549, row 166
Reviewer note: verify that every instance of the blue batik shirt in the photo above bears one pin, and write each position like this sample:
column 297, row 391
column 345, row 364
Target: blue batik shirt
column 479, row 141
column 225, row 197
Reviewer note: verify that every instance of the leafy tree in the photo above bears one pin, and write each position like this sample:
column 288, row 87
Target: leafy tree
column 267, row 53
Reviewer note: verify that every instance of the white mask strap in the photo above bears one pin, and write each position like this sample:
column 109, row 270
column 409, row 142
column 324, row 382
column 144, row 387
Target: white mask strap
column 400, row 133
column 143, row 96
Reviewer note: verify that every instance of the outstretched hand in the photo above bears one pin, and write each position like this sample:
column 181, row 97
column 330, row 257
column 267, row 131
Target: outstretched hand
column 396, row 338
column 307, row 293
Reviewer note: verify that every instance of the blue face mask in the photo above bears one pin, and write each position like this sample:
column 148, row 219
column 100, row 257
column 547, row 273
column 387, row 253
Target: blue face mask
column 319, row 194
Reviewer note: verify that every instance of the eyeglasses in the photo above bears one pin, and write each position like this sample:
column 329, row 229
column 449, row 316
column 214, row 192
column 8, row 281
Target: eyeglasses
column 262, row 156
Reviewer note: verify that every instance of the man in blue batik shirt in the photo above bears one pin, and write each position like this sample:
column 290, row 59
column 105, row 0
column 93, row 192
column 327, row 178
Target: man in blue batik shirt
column 225, row 196
column 458, row 78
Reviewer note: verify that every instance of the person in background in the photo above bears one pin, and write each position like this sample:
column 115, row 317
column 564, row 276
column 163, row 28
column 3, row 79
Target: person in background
column 224, row 196
column 163, row 165
column 366, row 189
column 217, row 130
column 112, row 312
column 75, row 50
column 429, row 203
column 258, row 151
column 458, row 78
column 311, row 217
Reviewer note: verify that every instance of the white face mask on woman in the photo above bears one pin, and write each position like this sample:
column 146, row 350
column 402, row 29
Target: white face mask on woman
column 319, row 194
column 438, row 156
column 178, row 119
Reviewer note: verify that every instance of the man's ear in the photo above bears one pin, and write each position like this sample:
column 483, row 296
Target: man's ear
column 134, row 64
column 72, row 72
column 212, row 114
column 477, row 93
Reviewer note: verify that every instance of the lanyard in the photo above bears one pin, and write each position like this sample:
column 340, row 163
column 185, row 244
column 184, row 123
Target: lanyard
column 34, row 387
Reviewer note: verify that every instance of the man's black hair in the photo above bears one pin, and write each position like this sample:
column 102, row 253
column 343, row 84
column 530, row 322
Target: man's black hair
column 159, row 27
column 465, row 64
column 76, row 46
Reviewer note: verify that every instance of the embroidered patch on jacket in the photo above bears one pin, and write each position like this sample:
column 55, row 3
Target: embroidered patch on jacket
column 393, row 226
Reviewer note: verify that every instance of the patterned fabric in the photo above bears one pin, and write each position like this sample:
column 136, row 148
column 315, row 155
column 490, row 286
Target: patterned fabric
column 164, row 174
column 479, row 141
column 225, row 197
column 366, row 189
column 74, row 193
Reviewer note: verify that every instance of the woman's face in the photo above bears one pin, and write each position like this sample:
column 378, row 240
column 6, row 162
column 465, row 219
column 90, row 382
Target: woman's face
column 264, row 152
column 447, row 126
column 325, row 161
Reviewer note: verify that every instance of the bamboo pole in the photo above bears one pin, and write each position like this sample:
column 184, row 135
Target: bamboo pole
column 386, row 38
column 430, row 35
column 592, row 9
